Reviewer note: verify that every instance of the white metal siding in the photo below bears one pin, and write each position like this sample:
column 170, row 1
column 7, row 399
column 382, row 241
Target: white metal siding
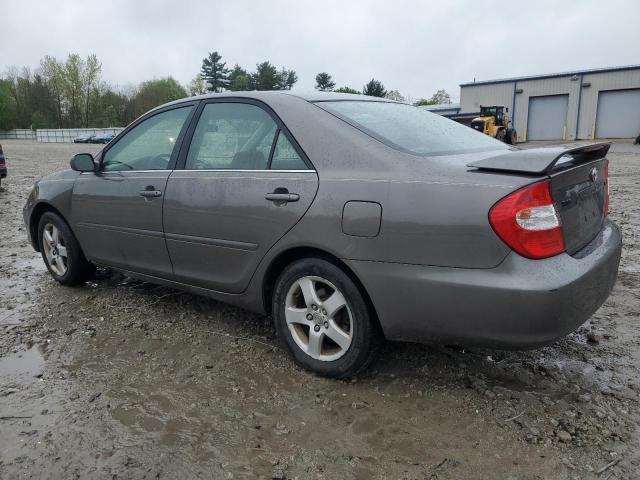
column 618, row 114
column 544, row 87
column 601, row 82
column 583, row 91
column 547, row 117
column 493, row 94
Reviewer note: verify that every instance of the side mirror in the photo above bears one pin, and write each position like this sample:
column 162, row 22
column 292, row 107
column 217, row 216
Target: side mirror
column 83, row 162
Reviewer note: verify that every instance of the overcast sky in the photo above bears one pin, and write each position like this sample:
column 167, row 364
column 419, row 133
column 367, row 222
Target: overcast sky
column 414, row 46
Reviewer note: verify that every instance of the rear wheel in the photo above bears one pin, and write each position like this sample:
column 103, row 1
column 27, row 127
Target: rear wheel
column 323, row 320
column 61, row 251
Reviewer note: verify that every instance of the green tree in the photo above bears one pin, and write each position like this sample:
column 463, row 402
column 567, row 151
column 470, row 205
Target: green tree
column 240, row 79
column 52, row 72
column 266, row 77
column 73, row 87
column 112, row 108
column 38, row 120
column 374, row 88
column 286, row 79
column 215, row 72
column 90, row 78
column 347, row 90
column 197, row 86
column 8, row 117
column 19, row 88
column 156, row 92
column 438, row 98
column 324, row 82
column 395, row 95
column 42, row 102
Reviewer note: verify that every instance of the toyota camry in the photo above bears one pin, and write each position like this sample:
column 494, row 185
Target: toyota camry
column 347, row 219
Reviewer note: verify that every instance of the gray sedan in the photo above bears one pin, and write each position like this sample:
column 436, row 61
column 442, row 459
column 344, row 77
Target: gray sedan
column 348, row 219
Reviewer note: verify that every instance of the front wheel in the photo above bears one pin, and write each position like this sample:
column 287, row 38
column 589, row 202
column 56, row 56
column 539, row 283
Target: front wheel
column 61, row 251
column 323, row 320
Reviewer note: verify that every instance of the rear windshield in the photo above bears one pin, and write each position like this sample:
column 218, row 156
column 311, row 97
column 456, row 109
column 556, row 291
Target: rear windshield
column 411, row 129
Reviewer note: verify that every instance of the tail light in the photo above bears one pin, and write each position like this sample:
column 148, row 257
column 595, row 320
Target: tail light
column 527, row 221
column 606, row 185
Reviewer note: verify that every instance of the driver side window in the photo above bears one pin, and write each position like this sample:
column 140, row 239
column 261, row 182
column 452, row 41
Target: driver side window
column 149, row 145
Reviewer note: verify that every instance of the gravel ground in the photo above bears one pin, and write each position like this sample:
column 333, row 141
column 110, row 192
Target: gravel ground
column 123, row 379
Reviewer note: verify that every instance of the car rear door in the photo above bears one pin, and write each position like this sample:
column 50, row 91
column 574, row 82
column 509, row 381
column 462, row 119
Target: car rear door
column 117, row 211
column 244, row 183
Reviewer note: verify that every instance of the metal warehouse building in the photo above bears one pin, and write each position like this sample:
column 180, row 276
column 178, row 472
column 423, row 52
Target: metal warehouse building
column 588, row 104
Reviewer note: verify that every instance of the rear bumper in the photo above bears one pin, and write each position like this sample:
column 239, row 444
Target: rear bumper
column 521, row 303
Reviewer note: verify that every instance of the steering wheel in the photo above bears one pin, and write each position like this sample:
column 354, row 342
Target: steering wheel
column 158, row 158
column 113, row 162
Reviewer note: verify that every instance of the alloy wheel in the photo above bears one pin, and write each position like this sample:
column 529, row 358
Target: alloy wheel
column 319, row 318
column 55, row 250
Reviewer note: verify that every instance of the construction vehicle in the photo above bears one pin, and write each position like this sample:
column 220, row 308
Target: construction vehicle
column 495, row 122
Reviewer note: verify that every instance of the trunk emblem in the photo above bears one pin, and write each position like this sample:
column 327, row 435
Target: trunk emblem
column 593, row 175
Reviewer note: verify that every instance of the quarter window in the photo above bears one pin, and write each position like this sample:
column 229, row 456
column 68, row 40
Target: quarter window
column 149, row 145
column 234, row 136
column 285, row 156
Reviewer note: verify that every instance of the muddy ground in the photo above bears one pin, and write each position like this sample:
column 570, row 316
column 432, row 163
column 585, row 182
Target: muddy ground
column 123, row 379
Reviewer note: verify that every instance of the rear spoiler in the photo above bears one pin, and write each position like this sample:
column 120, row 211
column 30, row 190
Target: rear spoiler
column 539, row 161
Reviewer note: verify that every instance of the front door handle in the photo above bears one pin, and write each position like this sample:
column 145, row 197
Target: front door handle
column 150, row 192
column 282, row 197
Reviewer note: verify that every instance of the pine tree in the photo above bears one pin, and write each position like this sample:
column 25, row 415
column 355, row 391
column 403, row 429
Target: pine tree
column 324, row 82
column 215, row 73
column 374, row 89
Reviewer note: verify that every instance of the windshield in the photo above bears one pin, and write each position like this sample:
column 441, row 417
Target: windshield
column 486, row 111
column 411, row 129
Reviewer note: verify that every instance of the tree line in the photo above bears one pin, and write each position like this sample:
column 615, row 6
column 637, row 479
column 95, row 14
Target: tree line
column 71, row 93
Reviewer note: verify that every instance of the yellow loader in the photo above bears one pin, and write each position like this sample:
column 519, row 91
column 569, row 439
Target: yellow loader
column 495, row 122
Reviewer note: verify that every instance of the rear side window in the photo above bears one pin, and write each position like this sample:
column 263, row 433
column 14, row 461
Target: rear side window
column 285, row 156
column 411, row 129
column 234, row 136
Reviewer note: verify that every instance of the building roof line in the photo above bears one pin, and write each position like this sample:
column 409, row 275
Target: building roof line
column 552, row 75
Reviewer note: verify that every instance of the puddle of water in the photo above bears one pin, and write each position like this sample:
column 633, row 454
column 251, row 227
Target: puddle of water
column 17, row 283
column 22, row 367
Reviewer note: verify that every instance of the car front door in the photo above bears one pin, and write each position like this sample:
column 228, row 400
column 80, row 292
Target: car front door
column 117, row 211
column 244, row 184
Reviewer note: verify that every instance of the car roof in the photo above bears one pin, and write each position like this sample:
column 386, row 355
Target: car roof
column 270, row 94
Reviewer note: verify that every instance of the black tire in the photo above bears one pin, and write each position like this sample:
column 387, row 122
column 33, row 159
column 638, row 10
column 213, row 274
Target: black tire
column 512, row 136
column 366, row 337
column 78, row 269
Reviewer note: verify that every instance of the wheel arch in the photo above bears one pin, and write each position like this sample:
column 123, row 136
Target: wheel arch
column 40, row 209
column 286, row 257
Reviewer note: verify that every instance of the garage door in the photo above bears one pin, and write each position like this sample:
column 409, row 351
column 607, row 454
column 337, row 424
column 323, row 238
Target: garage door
column 547, row 117
column 618, row 114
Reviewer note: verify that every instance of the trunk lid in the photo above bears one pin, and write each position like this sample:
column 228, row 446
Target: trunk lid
column 579, row 194
column 578, row 184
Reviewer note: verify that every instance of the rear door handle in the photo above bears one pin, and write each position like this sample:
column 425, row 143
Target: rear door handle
column 282, row 197
column 150, row 193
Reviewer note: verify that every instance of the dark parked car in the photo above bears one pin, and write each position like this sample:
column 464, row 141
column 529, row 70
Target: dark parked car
column 83, row 139
column 104, row 138
column 347, row 218
column 3, row 166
